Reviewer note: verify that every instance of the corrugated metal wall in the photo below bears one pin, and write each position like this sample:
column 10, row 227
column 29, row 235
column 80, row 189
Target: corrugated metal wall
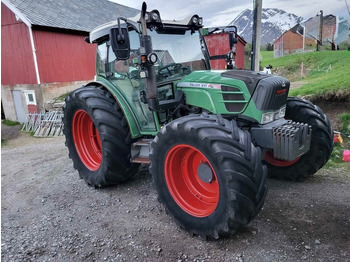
column 64, row 57
column 219, row 45
column 17, row 63
column 240, row 46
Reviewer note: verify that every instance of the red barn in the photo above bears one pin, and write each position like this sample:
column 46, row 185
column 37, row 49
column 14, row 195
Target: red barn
column 289, row 42
column 43, row 52
column 295, row 41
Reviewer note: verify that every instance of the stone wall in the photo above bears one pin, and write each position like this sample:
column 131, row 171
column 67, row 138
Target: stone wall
column 44, row 94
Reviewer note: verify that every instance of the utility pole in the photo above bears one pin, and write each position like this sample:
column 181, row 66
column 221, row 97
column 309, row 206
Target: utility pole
column 319, row 42
column 256, row 38
column 304, row 33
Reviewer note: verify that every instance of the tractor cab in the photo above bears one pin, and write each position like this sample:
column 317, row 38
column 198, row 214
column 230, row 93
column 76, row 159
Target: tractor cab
column 147, row 79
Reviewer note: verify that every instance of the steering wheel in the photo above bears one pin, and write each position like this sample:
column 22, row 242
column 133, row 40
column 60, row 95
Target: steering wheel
column 169, row 69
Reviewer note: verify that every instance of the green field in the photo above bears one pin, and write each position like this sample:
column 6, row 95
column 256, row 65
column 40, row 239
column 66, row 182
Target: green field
column 326, row 73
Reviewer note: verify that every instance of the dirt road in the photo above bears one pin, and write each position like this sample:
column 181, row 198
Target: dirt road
column 49, row 214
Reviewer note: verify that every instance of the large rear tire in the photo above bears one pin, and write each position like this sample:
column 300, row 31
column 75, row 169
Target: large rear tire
column 208, row 174
column 97, row 137
column 321, row 147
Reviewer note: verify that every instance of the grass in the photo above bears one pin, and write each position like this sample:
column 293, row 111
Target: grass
column 344, row 119
column 61, row 98
column 7, row 123
column 10, row 123
column 318, row 82
column 336, row 158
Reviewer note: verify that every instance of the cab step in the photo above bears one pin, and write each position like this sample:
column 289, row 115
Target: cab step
column 141, row 160
column 140, row 151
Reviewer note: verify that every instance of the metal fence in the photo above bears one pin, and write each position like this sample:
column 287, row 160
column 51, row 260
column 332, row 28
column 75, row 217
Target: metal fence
column 44, row 124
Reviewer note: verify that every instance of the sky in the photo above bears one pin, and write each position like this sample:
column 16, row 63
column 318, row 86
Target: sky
column 222, row 12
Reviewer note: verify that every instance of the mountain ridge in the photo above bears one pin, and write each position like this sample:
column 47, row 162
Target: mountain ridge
column 274, row 22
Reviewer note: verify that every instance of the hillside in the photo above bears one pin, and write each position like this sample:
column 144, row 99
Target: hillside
column 274, row 22
column 326, row 74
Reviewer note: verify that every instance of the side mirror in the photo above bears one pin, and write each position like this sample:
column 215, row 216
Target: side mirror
column 120, row 43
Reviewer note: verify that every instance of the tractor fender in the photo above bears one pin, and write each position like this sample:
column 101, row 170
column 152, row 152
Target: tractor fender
column 124, row 106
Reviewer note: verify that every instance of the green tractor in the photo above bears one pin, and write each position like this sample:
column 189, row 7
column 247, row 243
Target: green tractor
column 211, row 137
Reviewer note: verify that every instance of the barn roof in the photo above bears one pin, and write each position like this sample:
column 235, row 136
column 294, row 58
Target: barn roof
column 80, row 15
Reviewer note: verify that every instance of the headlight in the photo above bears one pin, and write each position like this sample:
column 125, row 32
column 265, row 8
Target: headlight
column 270, row 116
column 147, row 17
column 200, row 21
column 267, row 117
column 195, row 20
column 282, row 112
column 154, row 16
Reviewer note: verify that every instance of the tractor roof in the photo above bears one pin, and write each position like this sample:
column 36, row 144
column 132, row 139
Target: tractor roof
column 154, row 22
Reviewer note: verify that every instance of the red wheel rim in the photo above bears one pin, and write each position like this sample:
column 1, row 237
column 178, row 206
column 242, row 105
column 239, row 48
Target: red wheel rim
column 87, row 140
column 277, row 162
column 194, row 196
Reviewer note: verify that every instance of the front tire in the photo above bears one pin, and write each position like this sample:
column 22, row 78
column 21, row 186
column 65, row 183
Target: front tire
column 97, row 137
column 321, row 146
column 208, row 174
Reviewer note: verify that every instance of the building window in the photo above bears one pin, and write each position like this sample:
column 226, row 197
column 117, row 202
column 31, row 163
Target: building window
column 30, row 97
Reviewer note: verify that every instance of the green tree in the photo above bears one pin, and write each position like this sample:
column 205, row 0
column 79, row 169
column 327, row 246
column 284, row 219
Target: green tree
column 269, row 47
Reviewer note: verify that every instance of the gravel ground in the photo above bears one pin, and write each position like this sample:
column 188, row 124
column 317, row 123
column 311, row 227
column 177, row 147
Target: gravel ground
column 49, row 214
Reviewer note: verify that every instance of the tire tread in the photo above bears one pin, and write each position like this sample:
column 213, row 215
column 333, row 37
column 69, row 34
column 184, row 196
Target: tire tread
column 113, row 131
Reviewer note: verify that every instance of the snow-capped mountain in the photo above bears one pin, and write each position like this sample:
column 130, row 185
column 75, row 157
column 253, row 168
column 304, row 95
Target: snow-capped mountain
column 273, row 23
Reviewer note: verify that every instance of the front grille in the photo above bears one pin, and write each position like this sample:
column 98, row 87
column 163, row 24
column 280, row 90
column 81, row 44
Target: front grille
column 233, row 99
column 271, row 93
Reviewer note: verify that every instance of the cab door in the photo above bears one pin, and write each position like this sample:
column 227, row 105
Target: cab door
column 124, row 75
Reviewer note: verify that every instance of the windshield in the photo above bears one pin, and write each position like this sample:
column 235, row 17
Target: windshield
column 178, row 55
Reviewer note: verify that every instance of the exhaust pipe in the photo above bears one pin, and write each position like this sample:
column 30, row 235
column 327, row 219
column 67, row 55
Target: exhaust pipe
column 145, row 50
